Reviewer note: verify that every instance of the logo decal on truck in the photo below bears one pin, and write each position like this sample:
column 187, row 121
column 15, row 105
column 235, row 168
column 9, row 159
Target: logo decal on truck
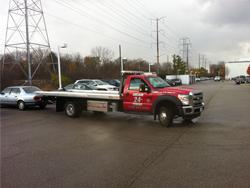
column 138, row 94
column 137, row 99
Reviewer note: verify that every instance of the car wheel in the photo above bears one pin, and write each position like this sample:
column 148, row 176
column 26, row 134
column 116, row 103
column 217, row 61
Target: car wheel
column 21, row 105
column 165, row 116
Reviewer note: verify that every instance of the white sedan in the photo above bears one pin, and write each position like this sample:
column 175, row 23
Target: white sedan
column 22, row 97
column 217, row 78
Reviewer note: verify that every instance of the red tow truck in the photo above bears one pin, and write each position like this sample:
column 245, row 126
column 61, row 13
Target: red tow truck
column 139, row 93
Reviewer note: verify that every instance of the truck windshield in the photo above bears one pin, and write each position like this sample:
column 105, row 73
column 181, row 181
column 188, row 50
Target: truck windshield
column 157, row 82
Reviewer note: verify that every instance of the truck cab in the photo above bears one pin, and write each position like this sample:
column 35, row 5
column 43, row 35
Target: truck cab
column 147, row 93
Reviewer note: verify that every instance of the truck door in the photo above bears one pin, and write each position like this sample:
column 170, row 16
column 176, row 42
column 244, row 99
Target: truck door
column 136, row 100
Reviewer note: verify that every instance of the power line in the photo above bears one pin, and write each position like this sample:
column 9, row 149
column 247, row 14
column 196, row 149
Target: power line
column 94, row 31
column 124, row 20
column 132, row 5
column 144, row 7
column 79, row 11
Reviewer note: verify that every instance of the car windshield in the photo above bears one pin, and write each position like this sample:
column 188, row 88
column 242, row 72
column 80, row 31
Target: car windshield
column 157, row 82
column 81, row 87
column 31, row 89
column 84, row 82
column 99, row 82
column 6, row 90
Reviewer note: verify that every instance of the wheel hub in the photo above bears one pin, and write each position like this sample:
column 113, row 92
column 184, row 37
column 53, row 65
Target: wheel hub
column 70, row 109
column 163, row 115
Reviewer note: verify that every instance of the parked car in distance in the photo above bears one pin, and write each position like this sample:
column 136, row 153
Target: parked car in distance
column 22, row 97
column 197, row 79
column 170, row 82
column 113, row 82
column 247, row 79
column 237, row 80
column 217, row 78
column 240, row 79
column 243, row 79
column 176, row 81
column 100, row 85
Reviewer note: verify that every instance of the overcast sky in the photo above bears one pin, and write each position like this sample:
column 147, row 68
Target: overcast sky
column 219, row 29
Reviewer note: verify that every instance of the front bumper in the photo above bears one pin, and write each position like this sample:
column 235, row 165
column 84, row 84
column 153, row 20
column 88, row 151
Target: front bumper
column 192, row 110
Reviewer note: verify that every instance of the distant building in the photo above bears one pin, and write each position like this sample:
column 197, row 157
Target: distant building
column 236, row 68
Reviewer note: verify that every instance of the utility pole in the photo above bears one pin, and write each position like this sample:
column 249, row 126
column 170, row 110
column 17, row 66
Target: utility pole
column 199, row 61
column 205, row 63
column 25, row 32
column 186, row 44
column 203, row 60
column 158, row 44
column 120, row 57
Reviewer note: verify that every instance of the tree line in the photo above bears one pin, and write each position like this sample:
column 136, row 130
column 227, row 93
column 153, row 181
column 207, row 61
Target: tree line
column 101, row 64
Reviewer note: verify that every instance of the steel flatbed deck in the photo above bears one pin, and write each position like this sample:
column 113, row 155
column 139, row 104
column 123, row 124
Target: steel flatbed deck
column 108, row 95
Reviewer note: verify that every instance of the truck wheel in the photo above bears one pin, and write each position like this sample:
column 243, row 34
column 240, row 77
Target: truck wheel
column 21, row 105
column 72, row 109
column 165, row 116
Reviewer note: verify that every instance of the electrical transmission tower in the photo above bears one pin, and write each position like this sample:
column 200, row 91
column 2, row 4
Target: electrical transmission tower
column 185, row 50
column 26, row 37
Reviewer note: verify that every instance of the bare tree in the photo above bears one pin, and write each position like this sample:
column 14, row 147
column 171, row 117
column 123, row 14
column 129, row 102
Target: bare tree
column 104, row 54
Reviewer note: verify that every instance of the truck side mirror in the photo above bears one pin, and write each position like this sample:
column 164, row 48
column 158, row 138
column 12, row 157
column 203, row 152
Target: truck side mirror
column 147, row 89
column 142, row 88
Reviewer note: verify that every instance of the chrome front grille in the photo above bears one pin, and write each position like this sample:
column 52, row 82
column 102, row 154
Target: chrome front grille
column 197, row 99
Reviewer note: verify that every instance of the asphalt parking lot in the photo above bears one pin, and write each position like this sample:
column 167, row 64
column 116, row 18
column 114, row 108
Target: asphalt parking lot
column 42, row 148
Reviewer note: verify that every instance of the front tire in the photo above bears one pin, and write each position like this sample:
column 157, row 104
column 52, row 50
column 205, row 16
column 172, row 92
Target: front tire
column 165, row 116
column 72, row 109
column 21, row 105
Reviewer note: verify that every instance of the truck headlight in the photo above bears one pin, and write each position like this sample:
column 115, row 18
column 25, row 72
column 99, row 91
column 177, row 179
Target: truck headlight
column 185, row 99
